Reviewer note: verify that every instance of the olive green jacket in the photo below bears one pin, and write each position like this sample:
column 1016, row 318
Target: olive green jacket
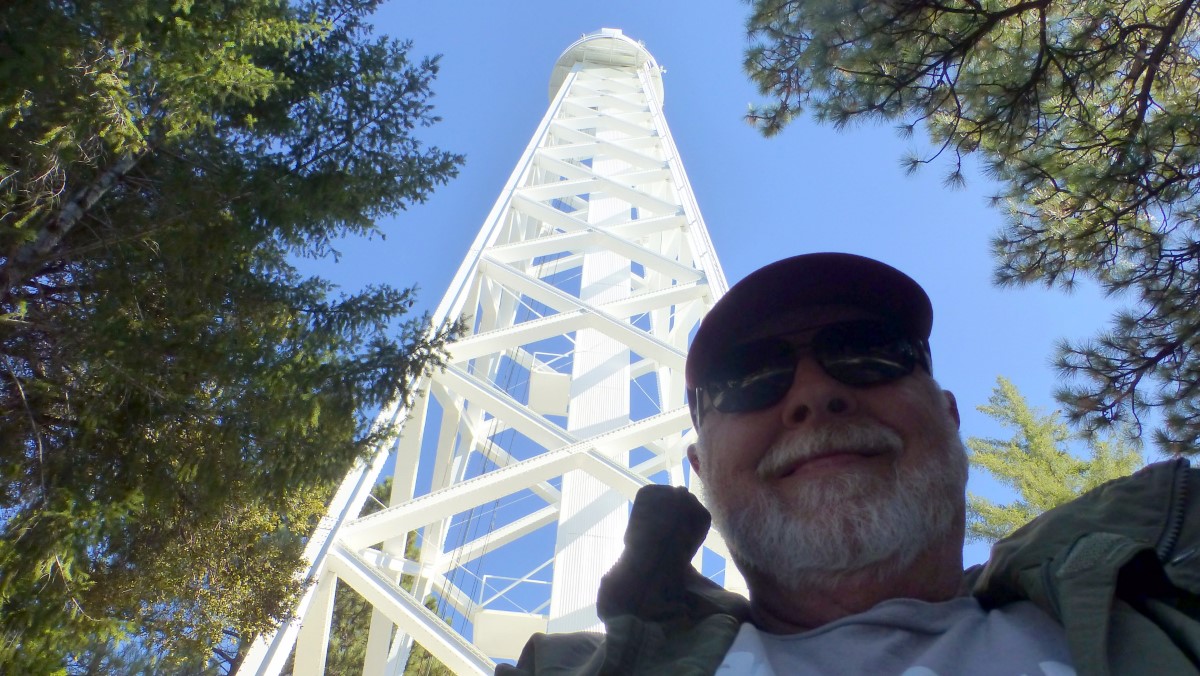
column 1119, row 567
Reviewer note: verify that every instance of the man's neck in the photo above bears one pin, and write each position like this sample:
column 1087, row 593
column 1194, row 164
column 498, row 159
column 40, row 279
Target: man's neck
column 781, row 608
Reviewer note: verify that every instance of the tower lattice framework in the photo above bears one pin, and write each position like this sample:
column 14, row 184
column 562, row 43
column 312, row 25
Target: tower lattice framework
column 516, row 462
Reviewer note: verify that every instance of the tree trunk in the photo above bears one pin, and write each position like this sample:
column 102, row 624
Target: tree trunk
column 21, row 263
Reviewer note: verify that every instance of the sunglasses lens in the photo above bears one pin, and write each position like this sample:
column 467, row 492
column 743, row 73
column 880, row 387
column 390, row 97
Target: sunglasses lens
column 756, row 376
column 752, row 377
column 864, row 353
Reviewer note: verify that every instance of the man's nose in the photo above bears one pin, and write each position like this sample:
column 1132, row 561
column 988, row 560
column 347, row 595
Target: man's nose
column 815, row 395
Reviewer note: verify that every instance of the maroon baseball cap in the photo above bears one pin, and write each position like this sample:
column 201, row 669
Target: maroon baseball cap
column 808, row 280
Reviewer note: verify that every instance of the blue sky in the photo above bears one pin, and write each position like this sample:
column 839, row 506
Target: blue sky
column 810, row 188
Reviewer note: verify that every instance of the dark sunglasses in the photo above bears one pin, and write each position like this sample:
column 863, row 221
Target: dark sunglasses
column 757, row 375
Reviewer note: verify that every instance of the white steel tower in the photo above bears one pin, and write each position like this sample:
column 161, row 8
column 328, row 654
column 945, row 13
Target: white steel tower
column 518, row 459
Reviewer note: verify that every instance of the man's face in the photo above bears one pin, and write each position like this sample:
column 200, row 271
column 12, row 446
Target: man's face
column 834, row 478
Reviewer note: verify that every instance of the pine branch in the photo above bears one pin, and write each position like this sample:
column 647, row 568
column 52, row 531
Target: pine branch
column 22, row 262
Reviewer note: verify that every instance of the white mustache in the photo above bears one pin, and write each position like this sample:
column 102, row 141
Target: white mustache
column 864, row 438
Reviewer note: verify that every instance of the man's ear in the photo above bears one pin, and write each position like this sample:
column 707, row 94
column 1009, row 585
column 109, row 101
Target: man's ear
column 694, row 459
column 952, row 404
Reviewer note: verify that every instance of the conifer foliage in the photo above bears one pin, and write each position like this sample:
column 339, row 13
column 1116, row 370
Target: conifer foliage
column 176, row 399
column 1085, row 110
column 1037, row 463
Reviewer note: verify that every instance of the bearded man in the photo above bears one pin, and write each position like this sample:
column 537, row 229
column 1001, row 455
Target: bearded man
column 832, row 467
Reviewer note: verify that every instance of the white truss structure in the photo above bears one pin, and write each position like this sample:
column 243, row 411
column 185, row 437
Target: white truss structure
column 517, row 461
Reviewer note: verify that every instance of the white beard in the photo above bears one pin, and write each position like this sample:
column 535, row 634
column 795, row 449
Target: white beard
column 847, row 522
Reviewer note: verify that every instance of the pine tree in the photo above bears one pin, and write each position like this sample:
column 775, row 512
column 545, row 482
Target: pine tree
column 1085, row 113
column 176, row 398
column 1037, row 463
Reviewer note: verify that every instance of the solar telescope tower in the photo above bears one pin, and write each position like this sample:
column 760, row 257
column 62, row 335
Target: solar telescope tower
column 517, row 461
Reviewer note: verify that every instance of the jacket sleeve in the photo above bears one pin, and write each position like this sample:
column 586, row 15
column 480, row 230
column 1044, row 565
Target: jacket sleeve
column 667, row 525
column 558, row 654
column 661, row 615
column 1119, row 567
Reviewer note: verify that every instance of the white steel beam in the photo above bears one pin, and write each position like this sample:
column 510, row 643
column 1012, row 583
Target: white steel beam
column 633, row 129
column 641, row 342
column 461, row 496
column 402, row 608
column 572, row 241
column 588, row 146
column 593, row 262
column 538, row 329
column 313, row 642
column 506, row 480
column 500, row 404
column 524, row 333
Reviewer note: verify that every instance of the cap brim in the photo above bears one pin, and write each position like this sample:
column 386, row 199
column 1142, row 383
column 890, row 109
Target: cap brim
column 803, row 281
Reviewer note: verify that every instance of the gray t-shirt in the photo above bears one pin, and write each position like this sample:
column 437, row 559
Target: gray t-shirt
column 912, row 638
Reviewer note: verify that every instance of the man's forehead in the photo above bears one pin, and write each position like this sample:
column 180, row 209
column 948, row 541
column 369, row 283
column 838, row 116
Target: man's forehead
column 806, row 319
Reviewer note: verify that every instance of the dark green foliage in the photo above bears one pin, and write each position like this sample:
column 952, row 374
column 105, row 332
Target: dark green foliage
column 176, row 399
column 1086, row 113
column 1037, row 463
